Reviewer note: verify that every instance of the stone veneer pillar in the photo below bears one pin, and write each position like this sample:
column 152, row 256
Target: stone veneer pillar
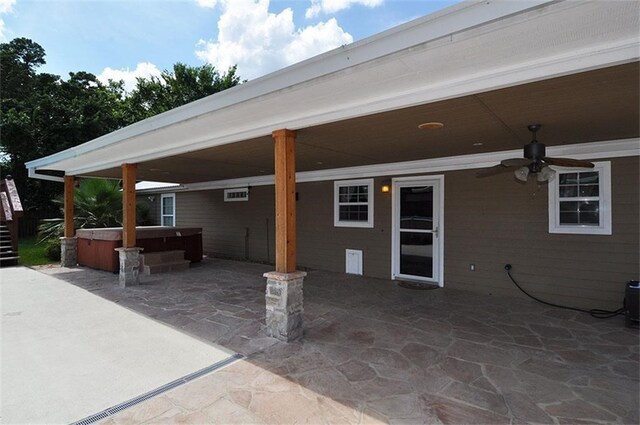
column 284, row 305
column 129, row 266
column 68, row 252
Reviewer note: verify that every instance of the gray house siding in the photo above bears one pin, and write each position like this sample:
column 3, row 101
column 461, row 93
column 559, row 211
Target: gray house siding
column 487, row 222
column 322, row 246
column 496, row 220
column 242, row 230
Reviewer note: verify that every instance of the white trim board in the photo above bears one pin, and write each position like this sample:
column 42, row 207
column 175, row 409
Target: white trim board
column 587, row 151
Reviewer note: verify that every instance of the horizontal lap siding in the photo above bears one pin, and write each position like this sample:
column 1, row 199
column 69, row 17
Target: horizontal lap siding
column 321, row 245
column 497, row 220
column 224, row 224
column 488, row 222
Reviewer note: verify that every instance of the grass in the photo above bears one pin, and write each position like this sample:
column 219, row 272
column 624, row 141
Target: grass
column 32, row 254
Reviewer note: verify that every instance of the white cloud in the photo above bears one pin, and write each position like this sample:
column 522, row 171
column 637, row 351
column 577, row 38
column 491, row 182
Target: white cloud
column 260, row 42
column 143, row 70
column 3, row 36
column 209, row 4
column 333, row 6
column 6, row 6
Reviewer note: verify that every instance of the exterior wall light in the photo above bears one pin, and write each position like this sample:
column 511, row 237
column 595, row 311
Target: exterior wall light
column 386, row 186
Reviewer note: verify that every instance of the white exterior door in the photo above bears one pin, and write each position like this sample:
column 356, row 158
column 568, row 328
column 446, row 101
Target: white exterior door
column 417, row 229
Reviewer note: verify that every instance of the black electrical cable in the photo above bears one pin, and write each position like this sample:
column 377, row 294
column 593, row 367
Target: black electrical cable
column 595, row 312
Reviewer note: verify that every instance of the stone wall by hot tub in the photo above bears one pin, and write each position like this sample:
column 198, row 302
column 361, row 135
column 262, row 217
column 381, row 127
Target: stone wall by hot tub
column 96, row 247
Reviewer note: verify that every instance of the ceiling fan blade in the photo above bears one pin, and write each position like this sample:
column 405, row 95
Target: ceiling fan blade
column 568, row 162
column 516, row 162
column 491, row 171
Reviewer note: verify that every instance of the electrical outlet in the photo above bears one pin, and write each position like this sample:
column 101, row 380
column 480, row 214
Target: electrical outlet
column 472, row 267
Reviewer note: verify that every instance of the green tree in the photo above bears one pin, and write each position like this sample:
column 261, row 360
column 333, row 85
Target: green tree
column 41, row 114
column 184, row 84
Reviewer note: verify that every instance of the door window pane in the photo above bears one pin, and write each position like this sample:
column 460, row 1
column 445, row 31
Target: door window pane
column 416, row 254
column 416, row 208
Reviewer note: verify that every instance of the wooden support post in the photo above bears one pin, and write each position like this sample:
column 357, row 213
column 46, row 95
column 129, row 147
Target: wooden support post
column 69, row 187
column 128, row 205
column 285, row 167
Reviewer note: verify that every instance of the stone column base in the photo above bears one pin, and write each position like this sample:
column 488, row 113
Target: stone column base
column 285, row 313
column 68, row 252
column 129, row 266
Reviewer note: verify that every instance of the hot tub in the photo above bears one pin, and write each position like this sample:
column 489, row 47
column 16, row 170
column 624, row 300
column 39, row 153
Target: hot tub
column 96, row 247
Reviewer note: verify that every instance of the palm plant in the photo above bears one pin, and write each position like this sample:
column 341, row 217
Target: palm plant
column 97, row 203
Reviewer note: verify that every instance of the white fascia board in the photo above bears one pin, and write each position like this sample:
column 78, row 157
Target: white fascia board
column 151, row 185
column 33, row 174
column 449, row 21
column 585, row 151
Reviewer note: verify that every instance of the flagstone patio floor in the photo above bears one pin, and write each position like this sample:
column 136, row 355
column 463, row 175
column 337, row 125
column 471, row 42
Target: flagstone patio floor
column 373, row 352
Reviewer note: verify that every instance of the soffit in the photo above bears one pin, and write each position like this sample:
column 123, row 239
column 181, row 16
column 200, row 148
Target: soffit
column 586, row 107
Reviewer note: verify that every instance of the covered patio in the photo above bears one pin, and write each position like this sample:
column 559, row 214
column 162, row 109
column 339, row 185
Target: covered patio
column 432, row 100
column 373, row 351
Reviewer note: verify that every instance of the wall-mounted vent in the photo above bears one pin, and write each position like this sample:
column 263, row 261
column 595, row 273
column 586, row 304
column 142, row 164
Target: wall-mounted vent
column 234, row 195
column 353, row 261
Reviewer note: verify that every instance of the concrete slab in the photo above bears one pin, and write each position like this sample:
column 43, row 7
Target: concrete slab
column 67, row 354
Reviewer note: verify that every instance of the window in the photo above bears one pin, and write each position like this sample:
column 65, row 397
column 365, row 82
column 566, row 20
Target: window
column 168, row 209
column 353, row 203
column 234, row 195
column 580, row 200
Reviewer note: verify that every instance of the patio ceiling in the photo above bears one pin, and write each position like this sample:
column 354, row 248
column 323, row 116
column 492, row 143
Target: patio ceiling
column 598, row 105
column 484, row 69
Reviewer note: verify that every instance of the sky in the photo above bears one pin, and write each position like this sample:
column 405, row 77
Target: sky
column 125, row 39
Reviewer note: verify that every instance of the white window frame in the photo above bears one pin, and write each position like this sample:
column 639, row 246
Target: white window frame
column 336, row 203
column 173, row 213
column 604, row 198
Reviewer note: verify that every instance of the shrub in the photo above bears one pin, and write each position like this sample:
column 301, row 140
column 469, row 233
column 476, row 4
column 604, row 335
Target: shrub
column 52, row 249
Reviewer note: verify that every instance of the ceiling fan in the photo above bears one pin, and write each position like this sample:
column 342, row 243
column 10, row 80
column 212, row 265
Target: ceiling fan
column 535, row 162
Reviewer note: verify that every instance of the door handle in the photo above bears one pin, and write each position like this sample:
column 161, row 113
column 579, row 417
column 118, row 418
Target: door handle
column 435, row 231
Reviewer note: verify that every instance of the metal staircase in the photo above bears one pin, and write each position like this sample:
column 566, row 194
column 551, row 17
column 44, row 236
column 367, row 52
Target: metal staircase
column 10, row 212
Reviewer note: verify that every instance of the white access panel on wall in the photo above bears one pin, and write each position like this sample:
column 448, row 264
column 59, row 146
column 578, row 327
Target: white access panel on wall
column 353, row 261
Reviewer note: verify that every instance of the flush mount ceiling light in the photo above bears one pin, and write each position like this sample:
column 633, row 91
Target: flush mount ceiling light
column 433, row 125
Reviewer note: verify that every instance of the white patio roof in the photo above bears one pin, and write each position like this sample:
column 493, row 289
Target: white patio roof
column 473, row 47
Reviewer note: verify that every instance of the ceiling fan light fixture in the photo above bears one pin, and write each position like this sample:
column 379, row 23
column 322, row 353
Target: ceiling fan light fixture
column 546, row 174
column 522, row 173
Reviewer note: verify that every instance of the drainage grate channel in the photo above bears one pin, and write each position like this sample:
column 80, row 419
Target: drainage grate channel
column 146, row 396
